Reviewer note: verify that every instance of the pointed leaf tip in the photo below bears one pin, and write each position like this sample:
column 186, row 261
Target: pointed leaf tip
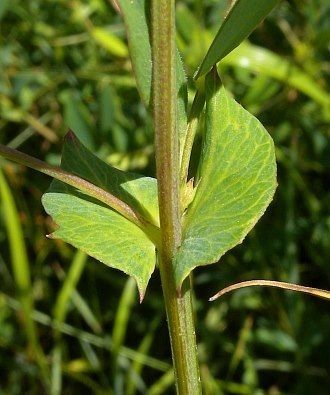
column 70, row 137
column 141, row 295
column 212, row 81
column 103, row 234
column 243, row 17
column 98, row 231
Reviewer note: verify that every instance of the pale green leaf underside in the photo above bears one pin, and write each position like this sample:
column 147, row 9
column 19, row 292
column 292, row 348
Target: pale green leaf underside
column 103, row 234
column 97, row 230
column 137, row 191
column 238, row 180
column 134, row 13
column 242, row 19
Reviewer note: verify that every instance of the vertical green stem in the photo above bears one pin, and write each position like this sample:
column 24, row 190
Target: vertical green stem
column 178, row 308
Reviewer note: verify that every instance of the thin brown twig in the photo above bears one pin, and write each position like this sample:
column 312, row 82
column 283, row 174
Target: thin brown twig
column 322, row 293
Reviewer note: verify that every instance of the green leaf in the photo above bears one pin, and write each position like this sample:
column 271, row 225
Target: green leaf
column 62, row 302
column 21, row 272
column 136, row 21
column 77, row 117
column 237, row 180
column 103, row 234
column 241, row 20
column 137, row 191
column 134, row 15
column 97, row 230
column 114, row 45
column 265, row 62
column 107, row 108
column 4, row 6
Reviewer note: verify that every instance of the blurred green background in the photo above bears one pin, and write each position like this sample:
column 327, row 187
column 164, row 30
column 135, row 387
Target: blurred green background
column 64, row 63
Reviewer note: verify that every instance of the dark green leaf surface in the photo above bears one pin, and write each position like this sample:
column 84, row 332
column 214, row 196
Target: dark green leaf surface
column 236, row 183
column 77, row 117
column 136, row 21
column 241, row 20
column 4, row 5
column 134, row 14
column 137, row 191
column 103, row 234
column 99, row 231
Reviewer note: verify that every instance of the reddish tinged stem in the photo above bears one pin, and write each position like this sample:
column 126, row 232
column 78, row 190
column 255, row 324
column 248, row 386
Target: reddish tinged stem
column 178, row 307
column 81, row 184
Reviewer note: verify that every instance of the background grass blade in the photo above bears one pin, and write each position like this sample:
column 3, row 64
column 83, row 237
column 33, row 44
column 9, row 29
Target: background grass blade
column 61, row 306
column 265, row 62
column 241, row 20
column 110, row 42
column 86, row 312
column 21, row 273
column 56, row 372
column 162, row 385
column 97, row 341
column 66, row 295
column 69, row 285
column 137, row 365
column 121, row 320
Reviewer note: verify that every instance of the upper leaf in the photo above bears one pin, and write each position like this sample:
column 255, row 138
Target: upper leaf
column 134, row 15
column 97, row 230
column 136, row 18
column 241, row 20
column 237, row 180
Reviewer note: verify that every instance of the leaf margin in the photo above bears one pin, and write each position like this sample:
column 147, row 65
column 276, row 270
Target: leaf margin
column 180, row 274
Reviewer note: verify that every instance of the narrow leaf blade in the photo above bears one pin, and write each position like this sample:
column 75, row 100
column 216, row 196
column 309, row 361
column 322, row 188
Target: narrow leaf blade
column 69, row 285
column 135, row 15
column 241, row 20
column 21, row 272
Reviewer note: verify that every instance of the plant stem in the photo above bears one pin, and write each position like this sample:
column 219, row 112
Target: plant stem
column 84, row 186
column 178, row 307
